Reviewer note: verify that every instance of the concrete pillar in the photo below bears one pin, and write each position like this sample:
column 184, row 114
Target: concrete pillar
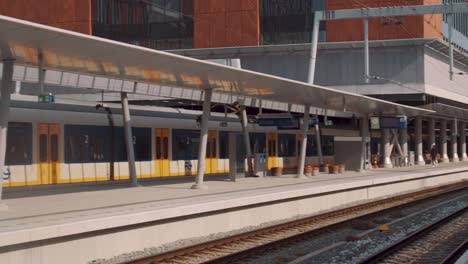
column 462, row 141
column 129, row 139
column 454, row 140
column 199, row 184
column 386, row 162
column 431, row 132
column 5, row 90
column 443, row 141
column 419, row 159
column 248, row 151
column 404, row 144
column 305, row 129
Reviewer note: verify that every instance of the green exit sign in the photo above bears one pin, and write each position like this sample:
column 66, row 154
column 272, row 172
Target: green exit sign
column 46, row 98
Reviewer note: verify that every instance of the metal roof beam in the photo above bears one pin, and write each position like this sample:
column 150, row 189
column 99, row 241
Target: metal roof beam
column 393, row 11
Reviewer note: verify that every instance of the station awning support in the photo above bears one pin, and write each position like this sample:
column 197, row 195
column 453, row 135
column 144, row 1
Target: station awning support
column 199, row 184
column 129, row 140
column 7, row 84
column 248, row 151
column 305, row 129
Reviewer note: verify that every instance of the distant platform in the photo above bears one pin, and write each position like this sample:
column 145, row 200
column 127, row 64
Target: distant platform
column 105, row 220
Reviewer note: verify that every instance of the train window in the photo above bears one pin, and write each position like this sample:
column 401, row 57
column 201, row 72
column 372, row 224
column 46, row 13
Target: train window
column 214, row 149
column 257, row 142
column 185, row 144
column 311, row 146
column 223, row 144
column 43, row 148
column 85, row 143
column 166, row 147
column 208, row 149
column 328, row 145
column 19, row 144
column 54, row 148
column 141, row 144
column 158, row 148
column 287, row 145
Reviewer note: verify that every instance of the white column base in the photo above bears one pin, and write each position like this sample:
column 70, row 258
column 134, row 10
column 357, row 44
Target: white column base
column 445, row 159
column 301, row 176
column 420, row 161
column 464, row 158
column 455, row 158
column 199, row 186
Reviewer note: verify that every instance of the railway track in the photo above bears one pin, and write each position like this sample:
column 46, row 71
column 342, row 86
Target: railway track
column 440, row 242
column 223, row 250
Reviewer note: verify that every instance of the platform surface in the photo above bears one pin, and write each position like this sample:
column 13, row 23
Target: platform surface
column 51, row 211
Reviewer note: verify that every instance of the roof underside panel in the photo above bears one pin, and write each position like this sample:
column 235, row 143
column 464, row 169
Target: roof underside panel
column 122, row 67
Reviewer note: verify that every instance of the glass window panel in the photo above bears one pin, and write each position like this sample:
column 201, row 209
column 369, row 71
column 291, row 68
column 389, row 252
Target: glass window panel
column 223, row 144
column 185, row 144
column 19, row 144
column 54, row 148
column 166, row 147
column 158, row 148
column 43, row 148
column 287, row 145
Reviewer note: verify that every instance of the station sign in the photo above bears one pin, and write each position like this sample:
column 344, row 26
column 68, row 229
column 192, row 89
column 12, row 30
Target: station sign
column 46, row 98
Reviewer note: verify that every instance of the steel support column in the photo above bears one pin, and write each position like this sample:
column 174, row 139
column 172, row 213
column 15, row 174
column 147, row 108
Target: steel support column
column 245, row 132
column 387, row 149
column 431, row 132
column 462, row 141
column 366, row 50
column 454, row 140
column 364, row 136
column 199, row 184
column 313, row 48
column 305, row 129
column 404, row 144
column 443, row 141
column 5, row 91
column 129, row 139
column 450, row 25
column 419, row 159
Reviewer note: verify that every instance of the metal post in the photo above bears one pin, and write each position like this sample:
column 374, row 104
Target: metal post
column 450, row 25
column 454, row 139
column 199, row 184
column 404, row 145
column 313, row 48
column 245, row 132
column 418, row 142
column 364, row 136
column 129, row 139
column 443, row 141
column 5, row 89
column 319, row 143
column 305, row 128
column 366, row 50
column 462, row 140
column 386, row 162
column 431, row 132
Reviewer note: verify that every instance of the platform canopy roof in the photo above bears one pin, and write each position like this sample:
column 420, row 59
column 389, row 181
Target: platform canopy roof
column 117, row 66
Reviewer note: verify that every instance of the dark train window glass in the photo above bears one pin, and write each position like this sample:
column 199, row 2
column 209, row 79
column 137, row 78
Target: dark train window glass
column 43, row 148
column 223, row 145
column 185, row 144
column 141, row 138
column 19, row 144
column 158, row 148
column 54, row 148
column 214, row 148
column 287, row 145
column 158, row 24
column 289, row 21
column 84, row 143
column 166, row 147
column 328, row 145
column 257, row 142
column 208, row 149
column 311, row 146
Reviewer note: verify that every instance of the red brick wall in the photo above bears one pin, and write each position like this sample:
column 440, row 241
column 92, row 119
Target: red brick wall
column 429, row 26
column 67, row 14
column 226, row 23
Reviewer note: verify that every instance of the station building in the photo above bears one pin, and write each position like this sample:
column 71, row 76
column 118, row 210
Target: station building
column 82, row 142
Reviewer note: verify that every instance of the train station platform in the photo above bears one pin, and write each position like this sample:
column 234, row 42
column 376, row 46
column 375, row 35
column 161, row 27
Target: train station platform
column 47, row 225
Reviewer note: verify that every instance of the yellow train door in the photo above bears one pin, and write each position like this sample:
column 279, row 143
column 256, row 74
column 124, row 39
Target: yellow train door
column 211, row 153
column 49, row 159
column 272, row 154
column 162, row 152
